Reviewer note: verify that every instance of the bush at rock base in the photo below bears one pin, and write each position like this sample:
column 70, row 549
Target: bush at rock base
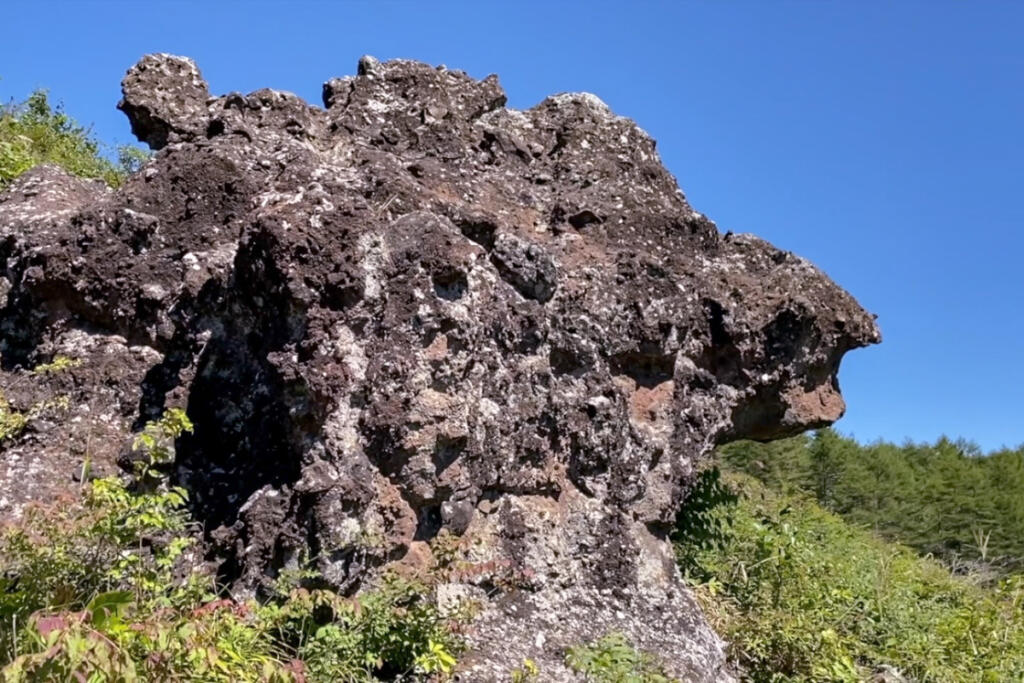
column 110, row 589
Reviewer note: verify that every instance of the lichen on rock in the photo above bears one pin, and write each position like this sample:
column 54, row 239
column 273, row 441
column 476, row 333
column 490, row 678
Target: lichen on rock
column 413, row 312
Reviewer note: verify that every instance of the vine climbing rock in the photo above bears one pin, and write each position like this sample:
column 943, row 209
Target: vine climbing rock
column 414, row 320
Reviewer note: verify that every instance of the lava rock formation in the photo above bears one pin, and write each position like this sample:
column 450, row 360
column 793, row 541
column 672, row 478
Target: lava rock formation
column 412, row 312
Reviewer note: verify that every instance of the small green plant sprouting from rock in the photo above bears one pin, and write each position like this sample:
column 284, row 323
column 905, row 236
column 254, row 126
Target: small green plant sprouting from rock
column 13, row 421
column 156, row 442
column 293, row 578
column 58, row 364
column 446, row 549
column 529, row 671
column 612, row 659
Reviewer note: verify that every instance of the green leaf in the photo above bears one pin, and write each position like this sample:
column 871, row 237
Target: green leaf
column 106, row 606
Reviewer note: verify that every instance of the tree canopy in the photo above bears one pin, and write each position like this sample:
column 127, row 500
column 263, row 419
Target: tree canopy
column 943, row 498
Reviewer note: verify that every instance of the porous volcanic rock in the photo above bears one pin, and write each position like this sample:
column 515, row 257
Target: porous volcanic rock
column 414, row 312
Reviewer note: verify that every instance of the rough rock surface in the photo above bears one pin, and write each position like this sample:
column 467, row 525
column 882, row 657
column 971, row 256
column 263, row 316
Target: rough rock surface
column 415, row 310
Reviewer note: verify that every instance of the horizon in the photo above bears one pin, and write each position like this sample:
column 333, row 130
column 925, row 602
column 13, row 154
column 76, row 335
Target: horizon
column 887, row 157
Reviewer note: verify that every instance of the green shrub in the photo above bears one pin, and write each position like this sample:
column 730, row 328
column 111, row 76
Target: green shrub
column 388, row 633
column 803, row 596
column 60, row 557
column 104, row 590
column 612, row 659
column 155, row 444
column 392, row 630
column 705, row 522
column 33, row 132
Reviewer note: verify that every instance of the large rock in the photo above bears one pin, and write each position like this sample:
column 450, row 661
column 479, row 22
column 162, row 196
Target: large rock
column 416, row 312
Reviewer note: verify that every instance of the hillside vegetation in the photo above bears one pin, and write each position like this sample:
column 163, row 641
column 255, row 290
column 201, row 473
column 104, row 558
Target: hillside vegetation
column 942, row 499
column 803, row 595
column 822, row 559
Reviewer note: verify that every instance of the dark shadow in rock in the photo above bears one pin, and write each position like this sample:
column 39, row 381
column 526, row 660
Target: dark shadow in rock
column 447, row 451
column 428, row 522
column 646, row 369
column 450, row 284
column 242, row 441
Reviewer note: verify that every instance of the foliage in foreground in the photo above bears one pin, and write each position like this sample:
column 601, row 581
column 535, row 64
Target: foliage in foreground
column 33, row 132
column 802, row 595
column 102, row 591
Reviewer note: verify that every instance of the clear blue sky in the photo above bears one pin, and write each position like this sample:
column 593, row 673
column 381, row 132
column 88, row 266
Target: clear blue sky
column 883, row 141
